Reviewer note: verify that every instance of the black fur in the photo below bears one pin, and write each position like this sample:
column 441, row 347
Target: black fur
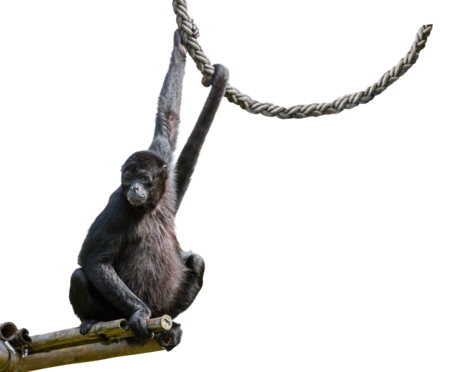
column 132, row 265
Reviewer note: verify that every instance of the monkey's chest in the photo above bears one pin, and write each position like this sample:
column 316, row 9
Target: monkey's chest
column 153, row 271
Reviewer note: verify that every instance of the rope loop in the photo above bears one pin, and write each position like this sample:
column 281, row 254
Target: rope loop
column 189, row 35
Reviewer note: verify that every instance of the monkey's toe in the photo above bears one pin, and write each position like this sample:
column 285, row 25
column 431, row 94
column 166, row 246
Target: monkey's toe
column 86, row 325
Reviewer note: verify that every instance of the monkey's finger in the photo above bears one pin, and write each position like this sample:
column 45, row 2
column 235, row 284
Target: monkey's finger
column 195, row 29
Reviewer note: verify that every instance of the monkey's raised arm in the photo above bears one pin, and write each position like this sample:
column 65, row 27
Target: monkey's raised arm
column 169, row 102
column 188, row 158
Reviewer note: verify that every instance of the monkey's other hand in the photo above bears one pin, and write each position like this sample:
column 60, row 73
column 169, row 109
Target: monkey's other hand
column 138, row 324
column 171, row 338
column 196, row 30
column 86, row 325
column 177, row 37
column 177, row 44
column 220, row 77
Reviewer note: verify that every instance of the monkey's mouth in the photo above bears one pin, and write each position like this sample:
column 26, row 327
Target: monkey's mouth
column 137, row 201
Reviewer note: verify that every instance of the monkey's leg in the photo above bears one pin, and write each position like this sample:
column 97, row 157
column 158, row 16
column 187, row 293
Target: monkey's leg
column 88, row 304
column 192, row 284
column 195, row 263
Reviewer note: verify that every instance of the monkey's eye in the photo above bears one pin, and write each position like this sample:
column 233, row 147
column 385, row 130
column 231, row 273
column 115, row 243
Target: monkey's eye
column 127, row 180
column 143, row 178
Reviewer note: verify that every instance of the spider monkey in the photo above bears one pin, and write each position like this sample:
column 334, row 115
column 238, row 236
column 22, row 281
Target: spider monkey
column 132, row 265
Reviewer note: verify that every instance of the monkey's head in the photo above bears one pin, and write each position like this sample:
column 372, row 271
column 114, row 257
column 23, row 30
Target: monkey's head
column 144, row 177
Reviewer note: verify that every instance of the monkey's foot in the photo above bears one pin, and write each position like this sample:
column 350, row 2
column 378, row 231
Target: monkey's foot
column 169, row 339
column 86, row 325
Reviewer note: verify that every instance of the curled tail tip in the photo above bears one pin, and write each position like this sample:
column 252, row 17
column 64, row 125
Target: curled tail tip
column 221, row 76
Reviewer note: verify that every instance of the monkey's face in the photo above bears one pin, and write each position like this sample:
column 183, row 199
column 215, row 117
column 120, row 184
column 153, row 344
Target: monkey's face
column 138, row 185
column 143, row 179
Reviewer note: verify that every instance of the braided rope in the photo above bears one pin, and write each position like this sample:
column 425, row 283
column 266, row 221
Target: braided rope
column 189, row 40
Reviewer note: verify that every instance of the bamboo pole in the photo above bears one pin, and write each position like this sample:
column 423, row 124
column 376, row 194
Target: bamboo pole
column 104, row 340
column 102, row 332
column 8, row 331
column 85, row 353
column 23, row 338
column 9, row 358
